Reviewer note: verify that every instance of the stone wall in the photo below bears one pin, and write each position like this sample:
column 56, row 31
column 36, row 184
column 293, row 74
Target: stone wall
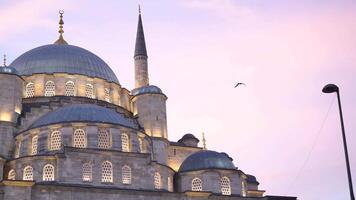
column 177, row 154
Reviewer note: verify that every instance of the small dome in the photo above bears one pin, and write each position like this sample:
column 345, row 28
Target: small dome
column 54, row 58
column 251, row 179
column 188, row 136
column 85, row 113
column 8, row 70
column 149, row 89
column 206, row 160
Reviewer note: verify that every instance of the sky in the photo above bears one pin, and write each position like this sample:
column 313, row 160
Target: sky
column 280, row 127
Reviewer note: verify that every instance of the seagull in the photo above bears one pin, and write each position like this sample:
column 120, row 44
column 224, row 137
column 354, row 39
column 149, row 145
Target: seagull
column 239, row 84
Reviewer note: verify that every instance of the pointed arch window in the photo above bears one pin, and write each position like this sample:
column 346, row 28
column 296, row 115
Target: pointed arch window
column 106, row 172
column 225, row 186
column 157, row 181
column 55, row 141
column 18, row 148
column 107, row 95
column 87, row 172
column 126, row 174
column 69, row 89
column 79, row 138
column 28, row 173
column 11, row 175
column 30, row 90
column 48, row 173
column 125, row 142
column 34, row 145
column 89, row 91
column 197, row 184
column 50, row 89
column 104, row 138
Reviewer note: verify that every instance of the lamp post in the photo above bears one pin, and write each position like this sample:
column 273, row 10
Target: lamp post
column 331, row 88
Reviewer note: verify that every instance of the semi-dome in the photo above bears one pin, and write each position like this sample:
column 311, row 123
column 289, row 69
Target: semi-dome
column 85, row 113
column 149, row 89
column 63, row 58
column 206, row 160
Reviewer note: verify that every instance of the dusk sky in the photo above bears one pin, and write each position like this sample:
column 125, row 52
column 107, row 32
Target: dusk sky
column 284, row 50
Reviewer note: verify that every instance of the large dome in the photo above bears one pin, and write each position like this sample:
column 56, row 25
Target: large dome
column 206, row 160
column 60, row 58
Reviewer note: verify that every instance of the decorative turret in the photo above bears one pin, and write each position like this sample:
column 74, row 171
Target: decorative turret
column 141, row 65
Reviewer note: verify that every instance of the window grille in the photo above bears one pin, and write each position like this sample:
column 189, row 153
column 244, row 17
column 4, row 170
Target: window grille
column 140, row 141
column 157, row 181
column 50, row 89
column 126, row 174
column 225, row 186
column 87, row 172
column 107, row 95
column 69, row 89
column 89, row 91
column 197, row 184
column 79, row 138
column 125, row 144
column 18, row 149
column 11, row 175
column 34, row 145
column 104, row 139
column 48, row 172
column 28, row 173
column 55, row 141
column 30, row 90
column 106, row 172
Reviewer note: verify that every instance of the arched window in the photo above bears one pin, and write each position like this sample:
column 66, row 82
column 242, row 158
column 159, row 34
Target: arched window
column 107, row 95
column 170, row 184
column 34, row 145
column 30, row 90
column 18, row 148
column 243, row 188
column 55, row 141
column 126, row 174
column 140, row 141
column 106, row 172
column 104, row 139
column 225, row 186
column 69, row 89
column 48, row 172
column 89, row 91
column 79, row 138
column 11, row 175
column 87, row 172
column 157, row 181
column 197, row 184
column 50, row 89
column 28, row 173
column 125, row 142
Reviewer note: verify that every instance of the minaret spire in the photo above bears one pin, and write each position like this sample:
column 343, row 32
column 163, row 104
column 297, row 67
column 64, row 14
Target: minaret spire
column 61, row 31
column 141, row 66
column 204, row 142
column 4, row 60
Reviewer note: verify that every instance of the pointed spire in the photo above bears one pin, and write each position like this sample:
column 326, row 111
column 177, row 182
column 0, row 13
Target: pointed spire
column 4, row 65
column 61, row 22
column 140, row 46
column 204, row 142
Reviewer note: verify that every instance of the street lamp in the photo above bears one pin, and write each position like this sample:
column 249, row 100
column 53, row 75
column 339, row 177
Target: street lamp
column 331, row 88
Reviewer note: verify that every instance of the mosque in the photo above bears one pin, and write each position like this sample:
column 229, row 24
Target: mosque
column 70, row 130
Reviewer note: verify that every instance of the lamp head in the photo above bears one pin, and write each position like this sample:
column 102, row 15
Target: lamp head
column 330, row 88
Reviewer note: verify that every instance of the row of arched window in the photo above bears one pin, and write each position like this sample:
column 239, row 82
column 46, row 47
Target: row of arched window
column 48, row 174
column 197, row 185
column 69, row 90
column 104, row 141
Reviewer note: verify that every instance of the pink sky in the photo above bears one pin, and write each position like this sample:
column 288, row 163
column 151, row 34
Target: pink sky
column 285, row 51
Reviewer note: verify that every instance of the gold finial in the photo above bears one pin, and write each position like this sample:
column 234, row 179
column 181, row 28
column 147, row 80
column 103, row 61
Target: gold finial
column 61, row 22
column 139, row 9
column 4, row 60
column 204, row 142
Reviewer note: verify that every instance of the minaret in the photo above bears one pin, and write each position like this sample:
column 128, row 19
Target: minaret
column 141, row 66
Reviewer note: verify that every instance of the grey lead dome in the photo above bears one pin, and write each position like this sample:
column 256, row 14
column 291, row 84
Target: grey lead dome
column 54, row 58
column 206, row 160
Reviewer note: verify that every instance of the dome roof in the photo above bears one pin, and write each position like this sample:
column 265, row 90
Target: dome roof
column 8, row 70
column 206, row 160
column 149, row 89
column 56, row 58
column 85, row 113
column 187, row 137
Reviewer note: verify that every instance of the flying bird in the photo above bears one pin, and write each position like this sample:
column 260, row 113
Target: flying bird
column 239, row 84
